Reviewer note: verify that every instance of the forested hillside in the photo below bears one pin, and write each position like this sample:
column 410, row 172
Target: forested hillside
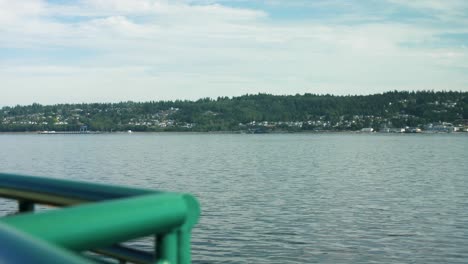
column 268, row 112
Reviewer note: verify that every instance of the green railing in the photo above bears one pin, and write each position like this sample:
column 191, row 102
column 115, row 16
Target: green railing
column 96, row 218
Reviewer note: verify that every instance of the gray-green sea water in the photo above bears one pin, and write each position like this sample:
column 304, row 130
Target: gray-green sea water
column 283, row 198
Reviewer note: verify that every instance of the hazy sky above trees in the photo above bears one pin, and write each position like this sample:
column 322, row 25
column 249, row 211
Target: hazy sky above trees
column 119, row 50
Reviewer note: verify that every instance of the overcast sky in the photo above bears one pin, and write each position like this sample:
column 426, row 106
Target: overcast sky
column 118, row 50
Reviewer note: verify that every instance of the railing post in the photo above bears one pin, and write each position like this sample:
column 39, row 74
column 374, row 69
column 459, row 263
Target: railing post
column 25, row 206
column 184, row 247
column 166, row 248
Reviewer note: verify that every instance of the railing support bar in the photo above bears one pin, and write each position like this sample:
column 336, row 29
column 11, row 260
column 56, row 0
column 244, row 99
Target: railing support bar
column 25, row 206
column 166, row 248
column 184, row 247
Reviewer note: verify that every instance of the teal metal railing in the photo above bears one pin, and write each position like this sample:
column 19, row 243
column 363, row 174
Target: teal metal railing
column 96, row 218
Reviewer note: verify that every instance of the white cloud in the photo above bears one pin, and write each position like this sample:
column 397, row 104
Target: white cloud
column 165, row 50
column 11, row 11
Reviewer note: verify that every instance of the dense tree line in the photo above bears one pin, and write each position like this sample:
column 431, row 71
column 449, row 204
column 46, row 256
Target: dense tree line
column 396, row 108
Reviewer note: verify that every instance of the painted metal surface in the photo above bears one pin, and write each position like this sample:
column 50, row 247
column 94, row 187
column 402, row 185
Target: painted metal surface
column 62, row 192
column 120, row 214
column 32, row 249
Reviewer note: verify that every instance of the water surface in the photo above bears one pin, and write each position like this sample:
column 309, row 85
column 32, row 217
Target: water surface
column 292, row 198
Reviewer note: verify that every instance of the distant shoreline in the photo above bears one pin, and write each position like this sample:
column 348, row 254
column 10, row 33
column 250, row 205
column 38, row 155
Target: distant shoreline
column 262, row 113
column 230, row 133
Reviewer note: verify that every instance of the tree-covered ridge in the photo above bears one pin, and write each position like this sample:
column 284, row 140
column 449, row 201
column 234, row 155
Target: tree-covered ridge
column 269, row 112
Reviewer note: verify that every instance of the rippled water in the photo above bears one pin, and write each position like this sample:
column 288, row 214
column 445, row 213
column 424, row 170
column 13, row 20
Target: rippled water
column 293, row 198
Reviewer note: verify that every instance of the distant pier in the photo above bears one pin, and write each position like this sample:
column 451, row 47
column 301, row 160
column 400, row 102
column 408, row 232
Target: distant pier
column 83, row 131
column 69, row 132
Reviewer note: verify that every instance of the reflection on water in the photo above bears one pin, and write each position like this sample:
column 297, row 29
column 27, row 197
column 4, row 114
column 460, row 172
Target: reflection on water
column 296, row 198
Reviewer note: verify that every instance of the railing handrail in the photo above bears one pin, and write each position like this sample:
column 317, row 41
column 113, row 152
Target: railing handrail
column 103, row 224
column 69, row 191
column 112, row 214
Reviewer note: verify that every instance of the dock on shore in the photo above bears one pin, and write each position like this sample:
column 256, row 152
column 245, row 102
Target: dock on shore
column 69, row 132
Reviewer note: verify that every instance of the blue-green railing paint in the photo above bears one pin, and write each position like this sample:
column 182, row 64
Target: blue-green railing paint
column 19, row 247
column 113, row 214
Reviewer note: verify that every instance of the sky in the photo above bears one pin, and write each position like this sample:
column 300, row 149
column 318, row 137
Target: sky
column 64, row 51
